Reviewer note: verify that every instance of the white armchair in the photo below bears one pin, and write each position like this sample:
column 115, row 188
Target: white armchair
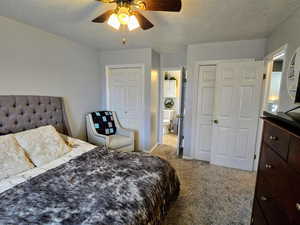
column 123, row 140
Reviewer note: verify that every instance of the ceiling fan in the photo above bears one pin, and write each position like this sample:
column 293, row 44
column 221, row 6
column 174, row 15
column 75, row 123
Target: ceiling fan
column 126, row 14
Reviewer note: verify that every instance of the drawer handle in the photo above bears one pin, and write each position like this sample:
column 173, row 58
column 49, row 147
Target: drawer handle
column 263, row 198
column 273, row 138
column 268, row 166
column 298, row 206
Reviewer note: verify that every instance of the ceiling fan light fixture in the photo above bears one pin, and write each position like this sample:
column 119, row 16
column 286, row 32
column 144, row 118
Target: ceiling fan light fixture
column 113, row 21
column 133, row 23
column 123, row 15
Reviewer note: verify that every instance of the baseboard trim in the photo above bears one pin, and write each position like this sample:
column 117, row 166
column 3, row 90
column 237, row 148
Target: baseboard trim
column 154, row 147
column 187, row 157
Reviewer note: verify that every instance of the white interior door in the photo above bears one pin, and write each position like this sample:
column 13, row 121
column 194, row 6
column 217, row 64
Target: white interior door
column 237, row 103
column 125, row 97
column 181, row 110
column 205, row 109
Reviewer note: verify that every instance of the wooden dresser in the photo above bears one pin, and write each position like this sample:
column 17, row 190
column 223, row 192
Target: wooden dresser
column 277, row 194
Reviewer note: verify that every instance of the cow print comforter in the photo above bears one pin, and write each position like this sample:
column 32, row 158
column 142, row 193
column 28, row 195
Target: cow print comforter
column 100, row 187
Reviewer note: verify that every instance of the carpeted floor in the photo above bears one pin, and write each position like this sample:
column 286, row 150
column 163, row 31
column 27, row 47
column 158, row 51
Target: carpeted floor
column 170, row 139
column 210, row 195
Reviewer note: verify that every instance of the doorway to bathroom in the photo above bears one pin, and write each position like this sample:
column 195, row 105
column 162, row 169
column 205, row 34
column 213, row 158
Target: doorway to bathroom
column 172, row 108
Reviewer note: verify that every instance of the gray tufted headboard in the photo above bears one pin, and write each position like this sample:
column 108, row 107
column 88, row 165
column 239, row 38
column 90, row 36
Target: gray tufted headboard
column 20, row 113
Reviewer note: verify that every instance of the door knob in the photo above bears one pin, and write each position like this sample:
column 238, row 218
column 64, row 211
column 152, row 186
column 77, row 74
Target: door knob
column 263, row 198
column 298, row 206
column 216, row 121
column 273, row 138
column 268, row 166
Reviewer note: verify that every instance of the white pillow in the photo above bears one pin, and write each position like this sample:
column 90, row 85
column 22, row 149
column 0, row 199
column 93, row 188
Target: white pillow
column 12, row 157
column 43, row 144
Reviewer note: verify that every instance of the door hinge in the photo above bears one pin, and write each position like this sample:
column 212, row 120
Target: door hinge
column 264, row 76
column 254, row 156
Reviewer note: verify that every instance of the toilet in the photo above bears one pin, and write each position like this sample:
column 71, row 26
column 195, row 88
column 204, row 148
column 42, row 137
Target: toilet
column 167, row 117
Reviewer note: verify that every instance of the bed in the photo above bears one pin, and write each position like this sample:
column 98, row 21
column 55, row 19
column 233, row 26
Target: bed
column 89, row 185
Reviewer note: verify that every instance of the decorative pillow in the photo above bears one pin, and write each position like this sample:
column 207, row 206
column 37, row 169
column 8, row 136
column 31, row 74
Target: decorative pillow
column 43, row 144
column 12, row 157
column 104, row 122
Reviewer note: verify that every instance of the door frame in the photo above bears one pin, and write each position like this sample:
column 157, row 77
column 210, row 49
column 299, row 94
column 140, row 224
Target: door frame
column 181, row 104
column 142, row 91
column 195, row 94
column 268, row 60
column 161, row 102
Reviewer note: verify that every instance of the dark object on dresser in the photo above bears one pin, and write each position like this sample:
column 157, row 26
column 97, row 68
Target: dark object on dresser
column 277, row 194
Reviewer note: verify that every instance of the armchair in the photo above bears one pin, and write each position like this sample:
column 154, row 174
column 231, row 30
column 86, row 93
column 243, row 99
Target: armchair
column 114, row 136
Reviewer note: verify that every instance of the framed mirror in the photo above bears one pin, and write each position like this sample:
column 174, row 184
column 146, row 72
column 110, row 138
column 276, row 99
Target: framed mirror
column 293, row 74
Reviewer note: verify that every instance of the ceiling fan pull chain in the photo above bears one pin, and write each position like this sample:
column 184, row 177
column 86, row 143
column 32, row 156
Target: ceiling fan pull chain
column 124, row 33
column 124, row 41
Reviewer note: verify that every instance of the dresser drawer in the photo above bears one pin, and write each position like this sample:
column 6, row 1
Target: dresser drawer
column 277, row 139
column 294, row 154
column 292, row 200
column 275, row 169
column 270, row 203
column 257, row 215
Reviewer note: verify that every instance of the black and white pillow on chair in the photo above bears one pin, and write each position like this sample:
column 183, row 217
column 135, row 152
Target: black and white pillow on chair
column 104, row 128
column 104, row 122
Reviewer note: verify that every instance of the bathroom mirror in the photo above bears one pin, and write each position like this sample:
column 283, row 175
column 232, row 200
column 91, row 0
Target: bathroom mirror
column 293, row 74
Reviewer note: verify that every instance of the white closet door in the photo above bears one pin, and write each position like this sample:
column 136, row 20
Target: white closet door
column 205, row 108
column 125, row 97
column 237, row 102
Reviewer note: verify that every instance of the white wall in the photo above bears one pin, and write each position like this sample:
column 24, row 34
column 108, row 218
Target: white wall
column 125, row 57
column 286, row 33
column 173, row 59
column 213, row 51
column 34, row 62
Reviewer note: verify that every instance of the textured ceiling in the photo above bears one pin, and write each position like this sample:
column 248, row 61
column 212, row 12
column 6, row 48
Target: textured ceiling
column 199, row 21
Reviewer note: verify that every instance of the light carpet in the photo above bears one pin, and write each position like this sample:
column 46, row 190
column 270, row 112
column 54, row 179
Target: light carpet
column 210, row 195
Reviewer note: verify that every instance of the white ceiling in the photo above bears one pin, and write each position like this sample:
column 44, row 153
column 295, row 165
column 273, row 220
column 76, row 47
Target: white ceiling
column 199, row 21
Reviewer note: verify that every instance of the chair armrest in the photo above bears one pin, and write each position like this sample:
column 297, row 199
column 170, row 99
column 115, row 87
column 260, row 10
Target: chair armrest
column 101, row 135
column 121, row 130
column 125, row 132
column 91, row 128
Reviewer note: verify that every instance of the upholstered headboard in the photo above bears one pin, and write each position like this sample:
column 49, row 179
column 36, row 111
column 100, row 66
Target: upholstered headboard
column 20, row 113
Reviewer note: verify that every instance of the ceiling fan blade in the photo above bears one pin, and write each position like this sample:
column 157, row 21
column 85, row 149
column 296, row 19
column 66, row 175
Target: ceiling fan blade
column 143, row 21
column 163, row 5
column 103, row 17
